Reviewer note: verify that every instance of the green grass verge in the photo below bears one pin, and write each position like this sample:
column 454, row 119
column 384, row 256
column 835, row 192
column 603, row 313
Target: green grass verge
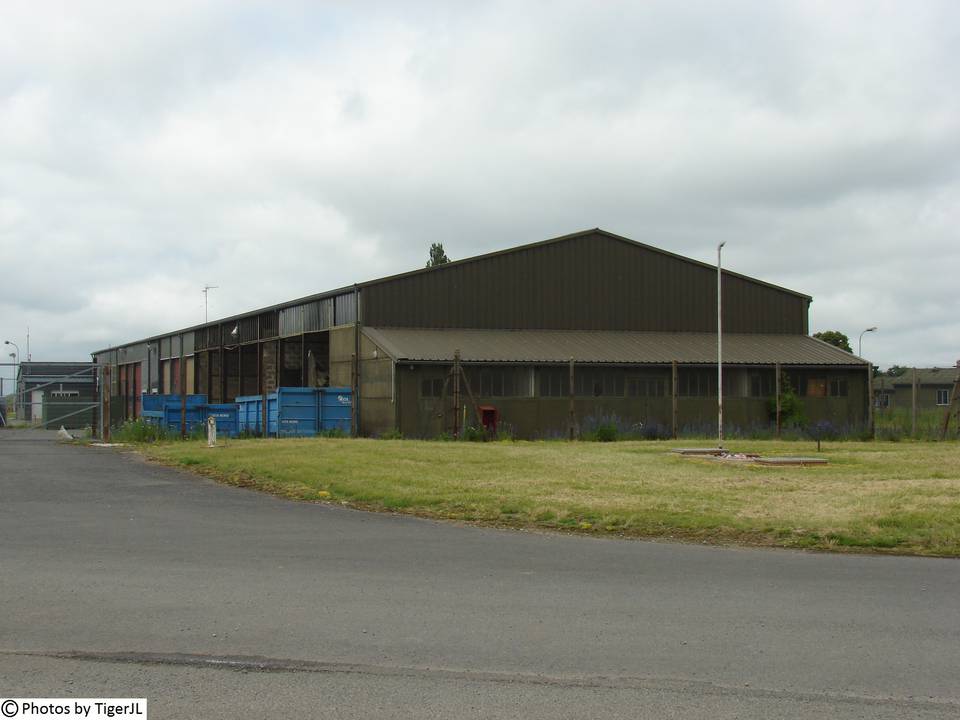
column 899, row 497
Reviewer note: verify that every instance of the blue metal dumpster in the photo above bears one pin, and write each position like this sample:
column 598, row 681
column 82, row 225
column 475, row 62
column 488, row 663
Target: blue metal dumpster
column 336, row 408
column 296, row 411
column 293, row 412
column 226, row 416
column 195, row 416
column 156, row 403
column 250, row 414
column 153, row 417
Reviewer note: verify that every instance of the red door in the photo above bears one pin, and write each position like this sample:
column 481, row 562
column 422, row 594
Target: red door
column 123, row 389
column 137, row 388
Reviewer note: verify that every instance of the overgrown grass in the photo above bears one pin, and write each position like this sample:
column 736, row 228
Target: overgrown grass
column 893, row 497
column 896, row 424
column 140, row 431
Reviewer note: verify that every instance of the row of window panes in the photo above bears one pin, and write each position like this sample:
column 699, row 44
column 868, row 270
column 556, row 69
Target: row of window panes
column 822, row 387
column 555, row 382
column 883, row 399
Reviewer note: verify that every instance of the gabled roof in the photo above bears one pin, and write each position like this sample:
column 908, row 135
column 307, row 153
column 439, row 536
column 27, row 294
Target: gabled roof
column 925, row 376
column 69, row 372
column 605, row 346
column 441, row 268
column 571, row 236
column 31, row 367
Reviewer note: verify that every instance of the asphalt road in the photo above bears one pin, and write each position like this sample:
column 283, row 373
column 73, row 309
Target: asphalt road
column 126, row 579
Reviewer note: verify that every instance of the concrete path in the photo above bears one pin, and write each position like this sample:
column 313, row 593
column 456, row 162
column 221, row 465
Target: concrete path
column 126, row 579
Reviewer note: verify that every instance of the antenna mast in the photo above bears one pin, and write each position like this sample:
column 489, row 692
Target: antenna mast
column 206, row 290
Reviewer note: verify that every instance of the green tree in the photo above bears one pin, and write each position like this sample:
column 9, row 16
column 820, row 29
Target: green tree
column 437, row 255
column 791, row 407
column 896, row 370
column 835, row 338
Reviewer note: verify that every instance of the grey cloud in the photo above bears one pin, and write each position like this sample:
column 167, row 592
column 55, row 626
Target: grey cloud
column 280, row 149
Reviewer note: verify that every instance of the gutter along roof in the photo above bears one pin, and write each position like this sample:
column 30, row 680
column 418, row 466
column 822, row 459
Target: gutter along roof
column 605, row 346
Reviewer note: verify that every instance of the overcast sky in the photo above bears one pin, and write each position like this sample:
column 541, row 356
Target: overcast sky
column 279, row 149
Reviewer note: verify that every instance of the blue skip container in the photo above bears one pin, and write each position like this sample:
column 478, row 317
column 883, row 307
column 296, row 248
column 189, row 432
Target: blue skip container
column 296, row 411
column 336, row 408
column 250, row 414
column 226, row 416
column 156, row 403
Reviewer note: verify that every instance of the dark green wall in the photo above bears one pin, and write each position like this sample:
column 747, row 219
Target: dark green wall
column 535, row 417
column 590, row 282
column 902, row 397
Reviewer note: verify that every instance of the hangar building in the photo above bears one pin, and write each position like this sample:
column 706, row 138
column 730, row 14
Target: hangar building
column 637, row 322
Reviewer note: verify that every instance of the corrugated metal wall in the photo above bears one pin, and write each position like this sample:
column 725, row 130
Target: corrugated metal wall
column 590, row 282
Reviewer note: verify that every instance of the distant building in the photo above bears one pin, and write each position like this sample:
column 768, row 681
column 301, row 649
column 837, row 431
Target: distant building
column 637, row 323
column 52, row 394
column 934, row 386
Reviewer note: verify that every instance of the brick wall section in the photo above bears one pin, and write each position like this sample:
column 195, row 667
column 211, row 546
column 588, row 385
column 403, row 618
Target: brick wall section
column 269, row 365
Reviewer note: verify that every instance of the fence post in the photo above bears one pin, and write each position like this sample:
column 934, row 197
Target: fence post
column 105, row 390
column 913, row 405
column 673, row 398
column 777, row 366
column 183, row 392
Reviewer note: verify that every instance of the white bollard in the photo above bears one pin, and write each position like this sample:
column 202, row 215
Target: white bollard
column 211, row 432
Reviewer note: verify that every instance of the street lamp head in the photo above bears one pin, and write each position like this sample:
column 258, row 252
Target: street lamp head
column 721, row 244
column 871, row 329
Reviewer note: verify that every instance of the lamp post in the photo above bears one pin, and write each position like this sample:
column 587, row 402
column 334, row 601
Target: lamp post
column 870, row 425
column 860, row 343
column 719, row 351
column 13, row 357
column 16, row 385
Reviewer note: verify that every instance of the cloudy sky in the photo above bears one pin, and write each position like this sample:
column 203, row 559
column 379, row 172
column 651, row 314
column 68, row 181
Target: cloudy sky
column 278, row 149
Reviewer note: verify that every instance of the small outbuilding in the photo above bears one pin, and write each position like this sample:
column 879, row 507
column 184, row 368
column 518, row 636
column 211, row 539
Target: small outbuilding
column 933, row 389
column 55, row 394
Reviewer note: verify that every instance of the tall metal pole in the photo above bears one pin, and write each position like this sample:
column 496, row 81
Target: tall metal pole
column 860, row 344
column 914, row 386
column 206, row 290
column 719, row 350
column 870, row 413
column 17, row 401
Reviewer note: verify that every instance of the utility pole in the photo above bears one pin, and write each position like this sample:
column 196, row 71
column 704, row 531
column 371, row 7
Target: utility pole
column 719, row 352
column 206, row 291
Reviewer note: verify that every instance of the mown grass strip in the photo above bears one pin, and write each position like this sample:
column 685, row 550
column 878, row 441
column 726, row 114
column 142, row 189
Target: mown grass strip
column 892, row 497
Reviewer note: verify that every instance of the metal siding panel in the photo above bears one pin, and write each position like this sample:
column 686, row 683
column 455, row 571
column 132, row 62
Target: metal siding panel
column 587, row 282
column 345, row 309
column 291, row 321
column 269, row 325
column 311, row 317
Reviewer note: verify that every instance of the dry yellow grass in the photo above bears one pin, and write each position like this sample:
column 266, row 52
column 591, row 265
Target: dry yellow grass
column 896, row 497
